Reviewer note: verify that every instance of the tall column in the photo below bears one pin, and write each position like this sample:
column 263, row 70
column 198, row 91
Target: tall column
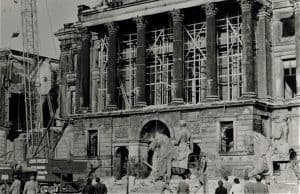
column 3, row 143
column 76, row 46
column 94, row 71
column 177, row 81
column 211, row 52
column 112, row 66
column 247, row 53
column 63, row 64
column 263, row 54
column 140, row 62
column 84, row 68
column 297, row 41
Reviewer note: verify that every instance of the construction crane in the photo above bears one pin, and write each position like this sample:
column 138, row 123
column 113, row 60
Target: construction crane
column 30, row 51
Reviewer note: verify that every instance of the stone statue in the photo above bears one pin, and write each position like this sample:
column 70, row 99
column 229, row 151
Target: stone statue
column 262, row 163
column 280, row 140
column 183, row 148
column 163, row 154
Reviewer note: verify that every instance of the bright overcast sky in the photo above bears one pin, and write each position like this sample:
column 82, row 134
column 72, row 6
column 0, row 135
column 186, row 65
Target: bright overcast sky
column 52, row 14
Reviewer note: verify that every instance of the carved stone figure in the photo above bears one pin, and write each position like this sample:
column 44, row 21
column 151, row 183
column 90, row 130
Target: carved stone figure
column 163, row 153
column 280, row 140
column 183, row 148
column 166, row 155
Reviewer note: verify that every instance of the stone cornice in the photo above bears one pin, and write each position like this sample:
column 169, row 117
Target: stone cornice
column 185, row 108
column 99, row 16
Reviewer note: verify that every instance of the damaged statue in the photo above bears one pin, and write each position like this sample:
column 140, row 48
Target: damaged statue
column 169, row 158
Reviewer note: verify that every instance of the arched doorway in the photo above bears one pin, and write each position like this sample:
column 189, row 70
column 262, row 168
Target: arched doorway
column 147, row 133
column 151, row 127
column 121, row 162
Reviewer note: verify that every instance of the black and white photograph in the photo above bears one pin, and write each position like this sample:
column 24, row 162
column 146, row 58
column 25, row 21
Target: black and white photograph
column 149, row 96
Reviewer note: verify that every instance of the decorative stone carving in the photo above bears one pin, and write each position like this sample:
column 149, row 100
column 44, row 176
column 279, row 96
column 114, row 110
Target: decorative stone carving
column 141, row 22
column 112, row 28
column 246, row 4
column 210, row 9
column 177, row 15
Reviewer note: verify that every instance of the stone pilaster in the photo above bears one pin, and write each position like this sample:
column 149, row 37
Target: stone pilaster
column 177, row 81
column 64, row 67
column 297, row 41
column 263, row 54
column 84, row 68
column 211, row 52
column 94, row 71
column 112, row 66
column 76, row 46
column 249, row 90
column 140, row 62
column 3, row 143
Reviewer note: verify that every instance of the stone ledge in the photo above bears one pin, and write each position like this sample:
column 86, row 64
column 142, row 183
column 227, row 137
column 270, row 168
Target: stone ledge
column 187, row 107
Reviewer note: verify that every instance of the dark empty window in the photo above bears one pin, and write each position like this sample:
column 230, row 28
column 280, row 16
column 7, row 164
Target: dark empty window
column 288, row 26
column 73, row 102
column 289, row 79
column 227, row 136
column 92, row 148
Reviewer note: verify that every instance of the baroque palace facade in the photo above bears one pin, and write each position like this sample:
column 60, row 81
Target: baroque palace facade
column 223, row 69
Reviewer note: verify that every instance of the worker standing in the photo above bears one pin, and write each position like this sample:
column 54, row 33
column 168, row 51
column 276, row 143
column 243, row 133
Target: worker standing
column 31, row 186
column 15, row 188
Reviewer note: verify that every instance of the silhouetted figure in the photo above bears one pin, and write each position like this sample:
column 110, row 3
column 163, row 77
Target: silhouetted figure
column 15, row 188
column 220, row 189
column 31, row 186
column 259, row 187
column 88, row 188
column 100, row 188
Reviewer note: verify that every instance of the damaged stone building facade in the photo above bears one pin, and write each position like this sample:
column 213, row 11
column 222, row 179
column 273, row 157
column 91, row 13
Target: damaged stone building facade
column 24, row 114
column 222, row 69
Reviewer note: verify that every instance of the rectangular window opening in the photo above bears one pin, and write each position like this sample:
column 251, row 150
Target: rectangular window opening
column 288, row 26
column 289, row 76
column 227, row 137
column 73, row 102
column 92, row 148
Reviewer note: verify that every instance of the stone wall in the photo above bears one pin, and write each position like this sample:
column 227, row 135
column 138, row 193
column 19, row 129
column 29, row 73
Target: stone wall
column 125, row 130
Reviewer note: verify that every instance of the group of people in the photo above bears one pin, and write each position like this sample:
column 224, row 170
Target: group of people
column 31, row 186
column 97, row 188
column 248, row 187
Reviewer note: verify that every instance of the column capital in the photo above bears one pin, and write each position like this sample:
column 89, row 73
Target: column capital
column 112, row 27
column 140, row 21
column 177, row 15
column 65, row 47
column 296, row 5
column 264, row 11
column 94, row 36
column 85, row 34
column 246, row 4
column 210, row 9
